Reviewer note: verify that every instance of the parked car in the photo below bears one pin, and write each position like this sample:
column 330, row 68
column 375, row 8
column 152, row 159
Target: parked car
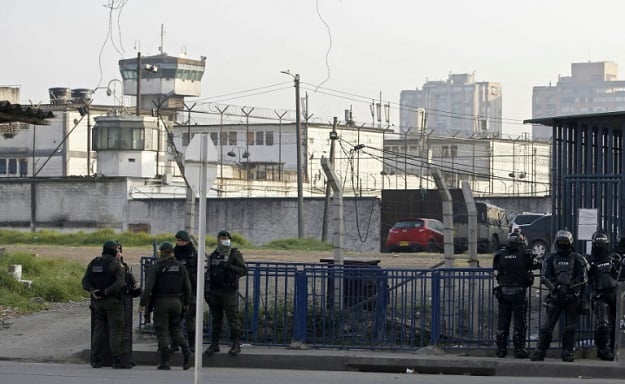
column 415, row 234
column 538, row 235
column 524, row 218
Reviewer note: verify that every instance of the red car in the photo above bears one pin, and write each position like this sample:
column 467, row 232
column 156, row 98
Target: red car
column 415, row 234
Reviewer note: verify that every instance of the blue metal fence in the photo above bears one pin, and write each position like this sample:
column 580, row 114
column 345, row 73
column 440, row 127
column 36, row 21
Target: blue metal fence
column 364, row 306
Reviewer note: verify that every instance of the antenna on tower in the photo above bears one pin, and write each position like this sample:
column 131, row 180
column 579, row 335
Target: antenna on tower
column 162, row 39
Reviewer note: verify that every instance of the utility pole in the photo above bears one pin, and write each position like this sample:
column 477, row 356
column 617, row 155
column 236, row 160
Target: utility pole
column 298, row 135
column 326, row 206
column 298, row 148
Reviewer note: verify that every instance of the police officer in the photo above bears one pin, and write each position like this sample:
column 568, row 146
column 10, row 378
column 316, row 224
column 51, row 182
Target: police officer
column 168, row 286
column 513, row 266
column 564, row 273
column 225, row 267
column 603, row 277
column 186, row 253
column 131, row 290
column 104, row 279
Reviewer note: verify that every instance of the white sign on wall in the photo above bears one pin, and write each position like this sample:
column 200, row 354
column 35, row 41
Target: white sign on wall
column 193, row 162
column 587, row 221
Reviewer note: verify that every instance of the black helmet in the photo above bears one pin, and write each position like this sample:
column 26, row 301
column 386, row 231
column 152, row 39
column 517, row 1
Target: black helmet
column 563, row 240
column 224, row 234
column 517, row 239
column 600, row 239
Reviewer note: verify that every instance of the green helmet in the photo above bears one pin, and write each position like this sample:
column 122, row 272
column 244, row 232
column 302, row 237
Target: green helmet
column 166, row 246
column 183, row 235
column 224, row 234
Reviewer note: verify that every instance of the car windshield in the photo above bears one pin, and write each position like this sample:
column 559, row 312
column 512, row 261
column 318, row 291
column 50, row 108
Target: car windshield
column 406, row 224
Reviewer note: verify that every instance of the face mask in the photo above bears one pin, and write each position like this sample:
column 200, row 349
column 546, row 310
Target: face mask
column 225, row 242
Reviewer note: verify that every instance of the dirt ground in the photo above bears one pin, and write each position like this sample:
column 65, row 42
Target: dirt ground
column 132, row 255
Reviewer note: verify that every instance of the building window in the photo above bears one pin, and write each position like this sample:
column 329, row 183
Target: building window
column 185, row 139
column 214, row 138
column 232, row 138
column 269, row 138
column 250, row 138
column 23, row 167
column 12, row 166
column 3, row 166
column 260, row 138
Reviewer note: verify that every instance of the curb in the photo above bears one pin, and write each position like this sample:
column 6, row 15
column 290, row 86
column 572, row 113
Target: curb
column 391, row 362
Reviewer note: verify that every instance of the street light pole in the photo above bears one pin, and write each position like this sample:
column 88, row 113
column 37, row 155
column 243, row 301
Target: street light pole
column 298, row 148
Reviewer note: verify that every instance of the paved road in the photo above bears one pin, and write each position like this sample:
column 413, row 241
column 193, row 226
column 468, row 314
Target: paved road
column 45, row 373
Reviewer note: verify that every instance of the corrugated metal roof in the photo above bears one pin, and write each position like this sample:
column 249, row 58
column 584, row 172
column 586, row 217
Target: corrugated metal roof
column 16, row 112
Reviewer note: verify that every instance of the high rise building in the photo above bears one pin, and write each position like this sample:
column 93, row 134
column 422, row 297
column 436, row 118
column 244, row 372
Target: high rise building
column 459, row 107
column 591, row 88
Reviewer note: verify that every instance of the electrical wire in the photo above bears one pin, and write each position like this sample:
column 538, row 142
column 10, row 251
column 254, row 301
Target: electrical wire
column 329, row 47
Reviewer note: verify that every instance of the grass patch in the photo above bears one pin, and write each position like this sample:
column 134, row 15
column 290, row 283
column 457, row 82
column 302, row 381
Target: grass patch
column 97, row 238
column 54, row 280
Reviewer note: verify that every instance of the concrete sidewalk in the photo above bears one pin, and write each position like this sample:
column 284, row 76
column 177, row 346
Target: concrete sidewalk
column 426, row 360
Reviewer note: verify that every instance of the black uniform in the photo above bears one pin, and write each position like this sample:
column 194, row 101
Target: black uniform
column 603, row 277
column 513, row 266
column 187, row 256
column 564, row 274
column 104, row 279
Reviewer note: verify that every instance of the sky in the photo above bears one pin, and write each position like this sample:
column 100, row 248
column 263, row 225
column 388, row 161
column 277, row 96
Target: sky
column 346, row 52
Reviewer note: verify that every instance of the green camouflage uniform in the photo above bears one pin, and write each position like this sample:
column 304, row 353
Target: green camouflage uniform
column 105, row 277
column 168, row 287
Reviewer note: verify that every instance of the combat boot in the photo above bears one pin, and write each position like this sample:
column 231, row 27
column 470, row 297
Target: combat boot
column 518, row 339
column 568, row 345
column 187, row 361
column 235, row 349
column 568, row 356
column 501, row 339
column 164, row 363
column 538, row 355
column 120, row 364
column 605, row 354
column 602, row 339
column 213, row 348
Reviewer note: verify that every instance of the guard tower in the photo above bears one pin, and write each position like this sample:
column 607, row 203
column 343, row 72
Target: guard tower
column 161, row 81
column 587, row 170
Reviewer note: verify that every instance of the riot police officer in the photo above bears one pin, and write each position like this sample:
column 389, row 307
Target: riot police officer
column 167, row 285
column 513, row 266
column 603, row 273
column 225, row 267
column 104, row 280
column 564, row 274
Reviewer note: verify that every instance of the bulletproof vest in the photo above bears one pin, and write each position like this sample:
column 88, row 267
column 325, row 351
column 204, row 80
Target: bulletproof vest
column 219, row 276
column 563, row 266
column 170, row 277
column 184, row 254
column 512, row 269
column 602, row 273
column 100, row 273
